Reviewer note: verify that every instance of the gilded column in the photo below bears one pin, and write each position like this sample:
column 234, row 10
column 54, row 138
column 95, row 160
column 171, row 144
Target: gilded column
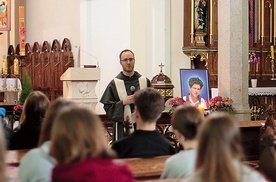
column 211, row 22
column 192, row 20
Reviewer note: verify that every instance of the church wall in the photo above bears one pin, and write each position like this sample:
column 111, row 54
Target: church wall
column 52, row 19
column 178, row 59
column 100, row 29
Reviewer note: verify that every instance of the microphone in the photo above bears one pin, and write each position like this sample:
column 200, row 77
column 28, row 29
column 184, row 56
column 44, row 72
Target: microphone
column 132, row 89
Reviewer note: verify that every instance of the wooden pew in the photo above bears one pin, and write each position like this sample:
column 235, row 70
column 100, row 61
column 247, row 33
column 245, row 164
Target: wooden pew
column 145, row 169
column 149, row 169
column 13, row 157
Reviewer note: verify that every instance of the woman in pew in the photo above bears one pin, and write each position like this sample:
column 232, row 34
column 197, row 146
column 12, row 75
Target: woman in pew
column 37, row 164
column 185, row 121
column 27, row 134
column 219, row 153
column 81, row 149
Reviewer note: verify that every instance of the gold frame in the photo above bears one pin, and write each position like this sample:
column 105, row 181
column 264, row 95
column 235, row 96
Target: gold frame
column 5, row 15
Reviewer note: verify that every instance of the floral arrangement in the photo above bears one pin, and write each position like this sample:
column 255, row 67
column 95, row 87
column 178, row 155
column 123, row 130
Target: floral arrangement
column 17, row 110
column 253, row 59
column 174, row 103
column 219, row 103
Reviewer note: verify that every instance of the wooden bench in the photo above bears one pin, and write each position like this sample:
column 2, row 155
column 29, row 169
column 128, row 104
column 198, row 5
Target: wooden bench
column 13, row 157
column 144, row 169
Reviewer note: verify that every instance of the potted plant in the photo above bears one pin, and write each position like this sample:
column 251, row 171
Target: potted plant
column 255, row 61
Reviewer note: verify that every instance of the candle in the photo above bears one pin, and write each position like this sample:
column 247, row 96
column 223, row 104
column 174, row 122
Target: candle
column 256, row 67
column 4, row 67
column 272, row 52
column 15, row 67
column 201, row 109
column 21, row 31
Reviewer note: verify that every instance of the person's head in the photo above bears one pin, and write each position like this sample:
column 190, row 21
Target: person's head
column 195, row 85
column 186, row 120
column 77, row 134
column 50, row 115
column 149, row 103
column 219, row 139
column 34, row 108
column 127, row 61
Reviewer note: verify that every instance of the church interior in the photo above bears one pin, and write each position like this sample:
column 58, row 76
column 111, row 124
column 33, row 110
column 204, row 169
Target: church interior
column 71, row 49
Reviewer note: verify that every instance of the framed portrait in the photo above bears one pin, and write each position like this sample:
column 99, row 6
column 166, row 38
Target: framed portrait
column 195, row 86
column 5, row 15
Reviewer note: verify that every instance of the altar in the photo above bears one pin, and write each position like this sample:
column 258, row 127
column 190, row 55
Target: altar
column 259, row 99
column 10, row 89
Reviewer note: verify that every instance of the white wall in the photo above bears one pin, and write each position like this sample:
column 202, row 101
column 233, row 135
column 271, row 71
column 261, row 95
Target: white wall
column 100, row 29
column 53, row 19
column 150, row 35
column 178, row 59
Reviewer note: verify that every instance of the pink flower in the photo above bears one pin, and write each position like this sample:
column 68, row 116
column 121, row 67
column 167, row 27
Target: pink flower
column 17, row 107
column 219, row 103
column 176, row 101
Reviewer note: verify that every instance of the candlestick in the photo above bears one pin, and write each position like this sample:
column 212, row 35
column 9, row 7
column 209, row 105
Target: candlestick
column 4, row 67
column 201, row 109
column 15, row 67
column 272, row 51
column 21, row 31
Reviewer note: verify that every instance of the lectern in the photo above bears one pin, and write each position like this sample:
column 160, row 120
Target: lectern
column 79, row 85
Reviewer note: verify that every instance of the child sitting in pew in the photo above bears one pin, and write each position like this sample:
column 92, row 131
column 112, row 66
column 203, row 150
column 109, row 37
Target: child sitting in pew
column 37, row 164
column 145, row 141
column 219, row 153
column 81, row 149
column 26, row 136
column 185, row 122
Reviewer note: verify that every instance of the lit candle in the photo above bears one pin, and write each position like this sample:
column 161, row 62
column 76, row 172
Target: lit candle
column 4, row 67
column 272, row 52
column 201, row 109
column 15, row 67
column 21, row 31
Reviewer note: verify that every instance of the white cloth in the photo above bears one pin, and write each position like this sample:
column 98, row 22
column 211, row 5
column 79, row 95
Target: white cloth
column 180, row 165
column 121, row 89
column 252, row 91
column 10, row 92
column 37, row 165
column 202, row 102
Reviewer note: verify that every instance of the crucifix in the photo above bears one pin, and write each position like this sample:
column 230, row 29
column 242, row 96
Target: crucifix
column 161, row 66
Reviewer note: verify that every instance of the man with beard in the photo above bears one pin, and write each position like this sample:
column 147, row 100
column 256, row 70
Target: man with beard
column 118, row 96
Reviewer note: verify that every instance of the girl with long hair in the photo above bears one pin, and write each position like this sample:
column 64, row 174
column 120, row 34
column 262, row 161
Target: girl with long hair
column 81, row 149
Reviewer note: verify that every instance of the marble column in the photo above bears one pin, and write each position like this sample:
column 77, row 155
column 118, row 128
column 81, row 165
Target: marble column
column 233, row 55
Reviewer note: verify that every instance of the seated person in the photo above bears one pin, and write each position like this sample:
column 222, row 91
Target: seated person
column 81, row 149
column 185, row 121
column 27, row 134
column 145, row 141
column 267, row 159
column 37, row 164
column 8, row 132
column 3, row 175
column 194, row 97
column 219, row 153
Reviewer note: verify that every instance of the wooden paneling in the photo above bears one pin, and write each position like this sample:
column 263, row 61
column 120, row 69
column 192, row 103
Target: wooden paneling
column 45, row 64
